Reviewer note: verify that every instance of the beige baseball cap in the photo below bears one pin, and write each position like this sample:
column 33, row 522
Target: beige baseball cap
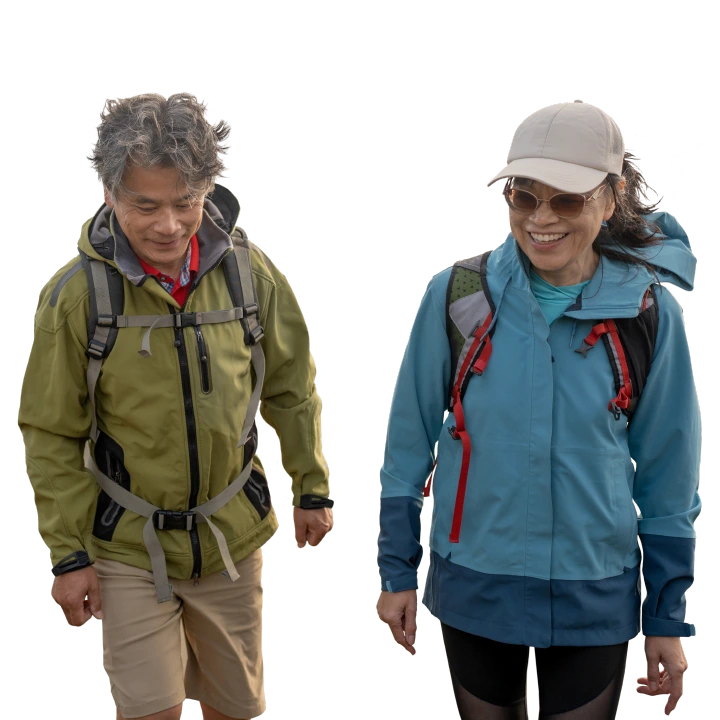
column 570, row 146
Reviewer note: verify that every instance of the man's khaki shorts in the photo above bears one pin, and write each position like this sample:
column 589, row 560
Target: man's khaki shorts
column 204, row 644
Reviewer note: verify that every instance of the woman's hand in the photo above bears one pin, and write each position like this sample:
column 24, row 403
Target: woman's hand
column 399, row 611
column 669, row 652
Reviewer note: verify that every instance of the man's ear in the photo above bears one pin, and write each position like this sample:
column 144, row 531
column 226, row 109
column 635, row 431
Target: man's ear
column 108, row 199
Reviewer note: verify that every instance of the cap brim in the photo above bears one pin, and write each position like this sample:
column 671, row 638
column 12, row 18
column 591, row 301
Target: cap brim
column 555, row 173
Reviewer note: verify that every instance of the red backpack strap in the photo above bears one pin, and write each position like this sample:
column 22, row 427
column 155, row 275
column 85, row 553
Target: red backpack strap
column 472, row 360
column 607, row 330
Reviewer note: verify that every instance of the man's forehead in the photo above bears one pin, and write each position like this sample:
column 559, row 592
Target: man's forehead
column 155, row 184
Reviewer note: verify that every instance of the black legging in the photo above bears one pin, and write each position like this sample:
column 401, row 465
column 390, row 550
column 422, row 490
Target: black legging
column 575, row 683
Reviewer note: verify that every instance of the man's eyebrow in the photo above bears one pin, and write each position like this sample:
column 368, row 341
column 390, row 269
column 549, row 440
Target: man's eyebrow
column 142, row 200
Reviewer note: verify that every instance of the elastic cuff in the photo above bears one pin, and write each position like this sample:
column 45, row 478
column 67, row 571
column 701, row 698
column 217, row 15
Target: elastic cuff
column 404, row 582
column 74, row 561
column 658, row 627
column 310, row 502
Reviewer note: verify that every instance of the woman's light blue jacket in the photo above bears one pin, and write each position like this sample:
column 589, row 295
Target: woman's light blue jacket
column 548, row 551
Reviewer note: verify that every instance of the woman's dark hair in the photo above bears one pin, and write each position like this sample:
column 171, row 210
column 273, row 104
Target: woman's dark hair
column 626, row 230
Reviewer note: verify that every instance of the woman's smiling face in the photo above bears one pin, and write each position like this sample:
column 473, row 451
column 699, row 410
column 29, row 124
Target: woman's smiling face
column 560, row 249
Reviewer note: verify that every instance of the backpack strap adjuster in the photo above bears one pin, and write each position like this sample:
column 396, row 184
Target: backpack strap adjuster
column 96, row 349
column 174, row 520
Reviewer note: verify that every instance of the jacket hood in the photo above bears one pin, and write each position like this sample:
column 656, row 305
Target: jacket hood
column 102, row 237
column 616, row 290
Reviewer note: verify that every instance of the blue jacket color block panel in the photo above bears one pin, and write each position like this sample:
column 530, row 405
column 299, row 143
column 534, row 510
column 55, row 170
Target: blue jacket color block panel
column 548, row 551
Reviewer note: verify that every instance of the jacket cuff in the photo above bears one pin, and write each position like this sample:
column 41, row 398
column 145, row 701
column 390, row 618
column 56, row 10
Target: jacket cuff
column 403, row 582
column 659, row 627
column 312, row 502
column 74, row 561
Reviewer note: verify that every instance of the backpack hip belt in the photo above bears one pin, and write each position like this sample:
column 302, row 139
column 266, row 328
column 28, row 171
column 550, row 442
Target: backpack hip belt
column 238, row 273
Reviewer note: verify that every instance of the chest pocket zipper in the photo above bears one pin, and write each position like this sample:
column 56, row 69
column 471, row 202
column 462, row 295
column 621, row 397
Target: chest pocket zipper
column 204, row 358
column 110, row 516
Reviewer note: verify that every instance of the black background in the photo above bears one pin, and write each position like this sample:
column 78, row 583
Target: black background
column 360, row 194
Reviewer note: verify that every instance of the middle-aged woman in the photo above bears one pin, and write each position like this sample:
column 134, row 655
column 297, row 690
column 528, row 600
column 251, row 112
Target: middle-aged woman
column 561, row 360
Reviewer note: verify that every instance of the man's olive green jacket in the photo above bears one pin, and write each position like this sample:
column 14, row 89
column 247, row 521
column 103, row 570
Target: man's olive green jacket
column 166, row 435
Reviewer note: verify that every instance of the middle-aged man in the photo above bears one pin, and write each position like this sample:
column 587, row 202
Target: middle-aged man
column 152, row 351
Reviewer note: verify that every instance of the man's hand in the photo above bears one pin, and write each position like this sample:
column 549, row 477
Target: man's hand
column 311, row 526
column 669, row 652
column 70, row 590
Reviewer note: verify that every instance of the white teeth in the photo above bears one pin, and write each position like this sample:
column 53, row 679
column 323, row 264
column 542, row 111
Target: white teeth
column 547, row 238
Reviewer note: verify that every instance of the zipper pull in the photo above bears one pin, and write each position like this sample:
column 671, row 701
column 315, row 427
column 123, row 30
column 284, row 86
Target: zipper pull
column 196, row 579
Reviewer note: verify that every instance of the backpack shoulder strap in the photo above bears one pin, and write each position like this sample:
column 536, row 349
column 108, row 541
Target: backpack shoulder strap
column 239, row 278
column 630, row 345
column 107, row 298
column 468, row 307
column 638, row 336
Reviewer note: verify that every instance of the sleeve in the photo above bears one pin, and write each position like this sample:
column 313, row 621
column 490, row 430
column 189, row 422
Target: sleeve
column 416, row 417
column 289, row 401
column 54, row 418
column 664, row 440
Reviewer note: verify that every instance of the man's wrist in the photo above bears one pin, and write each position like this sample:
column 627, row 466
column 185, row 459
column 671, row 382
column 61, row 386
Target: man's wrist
column 74, row 561
column 313, row 502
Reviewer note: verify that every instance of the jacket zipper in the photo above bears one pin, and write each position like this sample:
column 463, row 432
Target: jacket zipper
column 204, row 357
column 192, row 443
column 190, row 422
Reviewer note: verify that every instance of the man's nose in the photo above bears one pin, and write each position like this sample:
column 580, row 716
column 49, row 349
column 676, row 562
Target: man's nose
column 167, row 223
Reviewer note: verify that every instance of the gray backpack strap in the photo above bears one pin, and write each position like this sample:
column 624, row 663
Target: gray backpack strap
column 238, row 275
column 106, row 297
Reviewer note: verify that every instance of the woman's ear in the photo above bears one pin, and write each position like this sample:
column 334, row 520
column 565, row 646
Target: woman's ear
column 610, row 207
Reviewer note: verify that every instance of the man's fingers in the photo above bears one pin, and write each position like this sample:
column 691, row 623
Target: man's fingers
column 676, row 691
column 94, row 602
column 301, row 534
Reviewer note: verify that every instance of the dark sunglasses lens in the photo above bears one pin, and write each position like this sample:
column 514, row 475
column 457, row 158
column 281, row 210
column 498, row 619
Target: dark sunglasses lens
column 522, row 201
column 567, row 205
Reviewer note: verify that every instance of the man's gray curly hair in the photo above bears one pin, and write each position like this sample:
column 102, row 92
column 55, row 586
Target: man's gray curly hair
column 148, row 130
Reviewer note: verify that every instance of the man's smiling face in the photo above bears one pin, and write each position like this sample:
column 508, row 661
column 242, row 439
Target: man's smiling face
column 158, row 215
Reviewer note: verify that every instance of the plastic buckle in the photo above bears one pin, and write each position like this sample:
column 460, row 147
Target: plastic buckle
column 106, row 320
column 183, row 320
column 256, row 334
column 453, row 432
column 174, row 520
column 96, row 349
column 615, row 410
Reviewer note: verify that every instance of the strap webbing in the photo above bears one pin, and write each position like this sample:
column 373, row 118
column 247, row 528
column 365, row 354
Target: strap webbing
column 151, row 322
column 98, row 342
column 616, row 354
column 462, row 433
column 249, row 296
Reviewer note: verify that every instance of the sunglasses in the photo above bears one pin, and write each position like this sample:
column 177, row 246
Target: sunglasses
column 564, row 205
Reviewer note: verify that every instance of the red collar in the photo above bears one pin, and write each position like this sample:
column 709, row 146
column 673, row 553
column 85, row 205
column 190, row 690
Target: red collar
column 194, row 263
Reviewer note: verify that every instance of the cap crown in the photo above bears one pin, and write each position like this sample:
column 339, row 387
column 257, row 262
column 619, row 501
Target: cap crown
column 576, row 133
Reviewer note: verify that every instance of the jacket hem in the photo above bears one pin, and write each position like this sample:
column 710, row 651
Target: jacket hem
column 514, row 634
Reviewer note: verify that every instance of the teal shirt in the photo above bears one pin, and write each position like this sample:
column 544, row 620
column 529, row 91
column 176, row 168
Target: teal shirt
column 553, row 300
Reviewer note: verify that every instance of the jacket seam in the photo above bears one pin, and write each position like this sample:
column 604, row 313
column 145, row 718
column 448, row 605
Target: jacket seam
column 64, row 317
